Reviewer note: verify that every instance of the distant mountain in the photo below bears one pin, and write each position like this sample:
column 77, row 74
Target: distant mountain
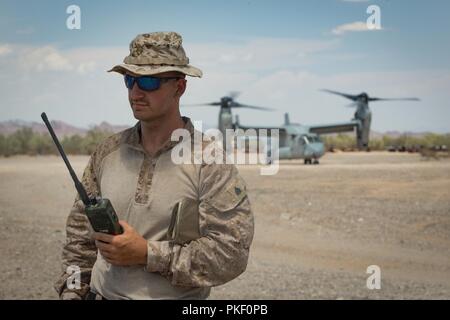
column 61, row 128
column 105, row 126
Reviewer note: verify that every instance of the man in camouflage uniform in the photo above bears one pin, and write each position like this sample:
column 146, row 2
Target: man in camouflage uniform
column 186, row 227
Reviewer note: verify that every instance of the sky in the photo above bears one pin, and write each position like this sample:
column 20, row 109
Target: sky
column 277, row 54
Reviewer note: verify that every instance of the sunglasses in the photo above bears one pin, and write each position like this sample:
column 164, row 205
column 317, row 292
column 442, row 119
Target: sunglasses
column 146, row 83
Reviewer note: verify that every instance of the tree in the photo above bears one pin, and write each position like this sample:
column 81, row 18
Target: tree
column 93, row 138
column 20, row 141
column 73, row 144
column 2, row 145
column 42, row 144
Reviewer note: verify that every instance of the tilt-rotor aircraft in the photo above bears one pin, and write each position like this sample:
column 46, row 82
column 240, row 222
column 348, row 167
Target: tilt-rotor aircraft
column 299, row 141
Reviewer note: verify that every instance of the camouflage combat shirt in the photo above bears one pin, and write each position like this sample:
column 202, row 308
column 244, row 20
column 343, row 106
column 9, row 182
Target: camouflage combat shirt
column 144, row 191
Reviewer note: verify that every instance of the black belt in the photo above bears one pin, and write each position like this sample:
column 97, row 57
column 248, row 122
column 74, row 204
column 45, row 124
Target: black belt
column 94, row 296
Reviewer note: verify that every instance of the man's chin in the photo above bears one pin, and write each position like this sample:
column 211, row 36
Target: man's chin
column 140, row 108
column 145, row 117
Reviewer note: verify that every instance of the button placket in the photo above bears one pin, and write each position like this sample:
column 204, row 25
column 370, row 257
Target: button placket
column 144, row 181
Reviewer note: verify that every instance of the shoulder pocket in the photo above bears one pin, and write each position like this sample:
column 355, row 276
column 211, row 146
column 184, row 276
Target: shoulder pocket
column 231, row 196
column 185, row 224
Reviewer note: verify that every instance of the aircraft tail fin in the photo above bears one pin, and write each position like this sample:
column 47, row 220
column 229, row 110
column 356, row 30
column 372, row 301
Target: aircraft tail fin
column 286, row 119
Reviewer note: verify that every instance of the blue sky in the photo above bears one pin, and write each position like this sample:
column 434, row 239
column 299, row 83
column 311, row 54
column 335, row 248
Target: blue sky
column 277, row 53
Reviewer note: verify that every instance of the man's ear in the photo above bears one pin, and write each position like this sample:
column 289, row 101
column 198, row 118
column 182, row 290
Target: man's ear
column 181, row 88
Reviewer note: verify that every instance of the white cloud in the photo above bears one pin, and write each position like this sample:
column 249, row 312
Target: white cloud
column 271, row 73
column 259, row 54
column 29, row 59
column 297, row 92
column 357, row 26
column 86, row 67
column 5, row 49
column 44, row 59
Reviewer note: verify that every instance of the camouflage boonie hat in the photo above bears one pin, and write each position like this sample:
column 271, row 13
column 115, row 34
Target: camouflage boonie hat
column 156, row 52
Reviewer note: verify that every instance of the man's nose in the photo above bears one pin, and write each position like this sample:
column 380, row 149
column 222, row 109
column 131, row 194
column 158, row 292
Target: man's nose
column 136, row 93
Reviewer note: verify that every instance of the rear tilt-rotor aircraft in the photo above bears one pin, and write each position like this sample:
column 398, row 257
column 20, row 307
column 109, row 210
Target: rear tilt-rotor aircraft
column 362, row 117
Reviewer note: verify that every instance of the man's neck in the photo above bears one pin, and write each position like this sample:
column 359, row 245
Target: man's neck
column 155, row 133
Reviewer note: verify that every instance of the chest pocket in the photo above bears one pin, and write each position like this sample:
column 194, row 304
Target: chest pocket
column 232, row 195
column 184, row 225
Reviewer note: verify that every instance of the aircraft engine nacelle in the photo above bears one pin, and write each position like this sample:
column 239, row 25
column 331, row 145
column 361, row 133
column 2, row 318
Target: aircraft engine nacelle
column 363, row 132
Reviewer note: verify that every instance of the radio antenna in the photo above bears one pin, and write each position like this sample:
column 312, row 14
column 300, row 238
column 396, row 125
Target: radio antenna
column 78, row 185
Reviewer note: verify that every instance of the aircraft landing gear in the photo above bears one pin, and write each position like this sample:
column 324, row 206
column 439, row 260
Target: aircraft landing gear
column 310, row 161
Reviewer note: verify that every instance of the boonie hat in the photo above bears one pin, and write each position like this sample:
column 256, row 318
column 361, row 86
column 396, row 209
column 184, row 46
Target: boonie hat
column 156, row 52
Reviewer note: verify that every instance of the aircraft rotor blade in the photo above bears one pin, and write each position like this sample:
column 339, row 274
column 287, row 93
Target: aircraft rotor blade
column 240, row 105
column 345, row 95
column 392, row 99
column 202, row 104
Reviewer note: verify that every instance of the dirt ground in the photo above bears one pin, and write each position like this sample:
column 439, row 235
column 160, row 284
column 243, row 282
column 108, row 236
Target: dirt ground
column 318, row 228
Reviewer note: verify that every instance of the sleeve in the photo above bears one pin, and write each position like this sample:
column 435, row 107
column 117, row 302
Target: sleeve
column 226, row 228
column 79, row 251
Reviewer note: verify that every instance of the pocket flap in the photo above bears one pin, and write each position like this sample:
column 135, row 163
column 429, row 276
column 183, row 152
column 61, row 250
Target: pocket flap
column 233, row 194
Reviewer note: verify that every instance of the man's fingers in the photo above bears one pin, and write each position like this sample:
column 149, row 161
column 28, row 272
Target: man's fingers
column 109, row 260
column 106, row 255
column 104, row 246
column 125, row 225
column 109, row 257
column 102, row 237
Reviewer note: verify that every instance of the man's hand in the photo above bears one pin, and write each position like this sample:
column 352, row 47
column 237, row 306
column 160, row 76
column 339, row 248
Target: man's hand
column 126, row 249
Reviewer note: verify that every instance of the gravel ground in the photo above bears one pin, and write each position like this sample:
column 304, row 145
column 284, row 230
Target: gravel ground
column 318, row 228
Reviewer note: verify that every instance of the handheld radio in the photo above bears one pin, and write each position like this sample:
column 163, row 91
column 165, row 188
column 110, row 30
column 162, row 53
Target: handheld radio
column 99, row 211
